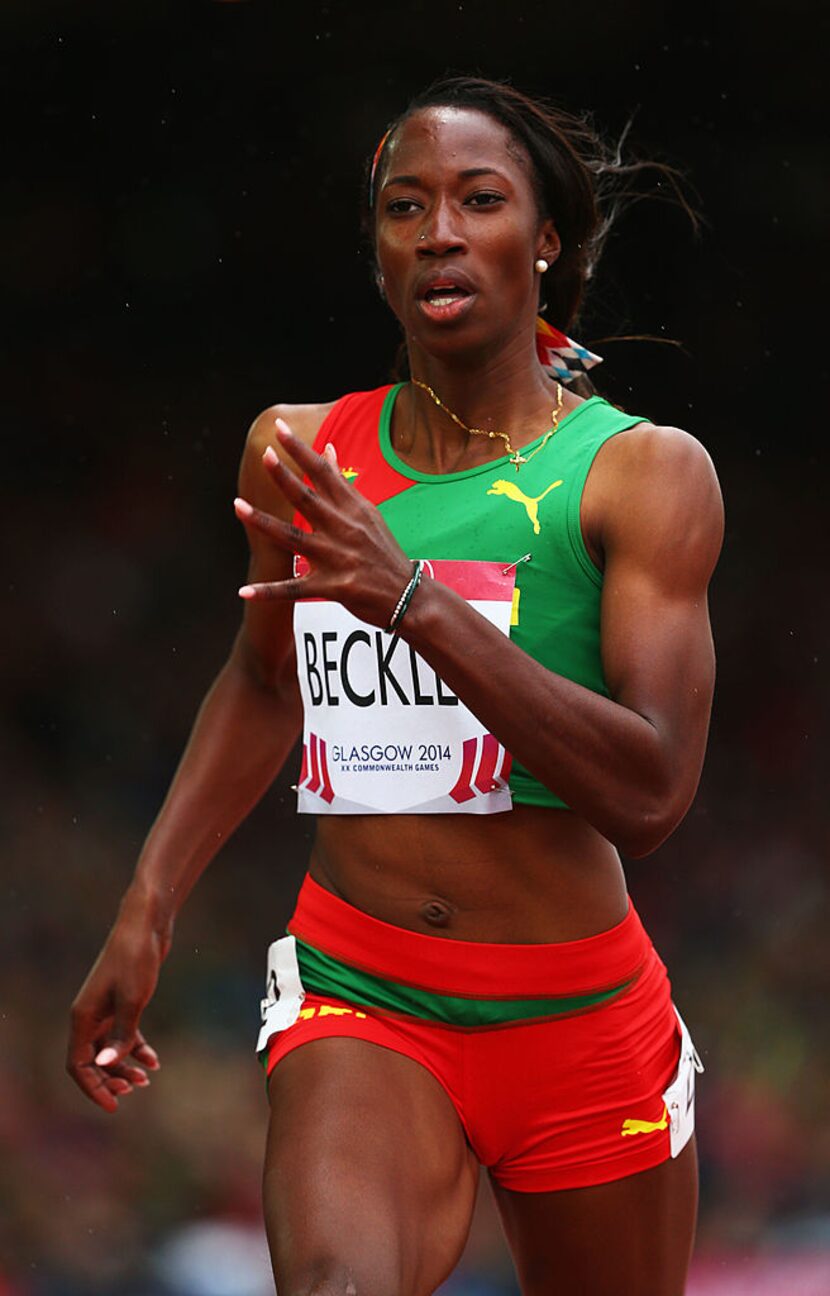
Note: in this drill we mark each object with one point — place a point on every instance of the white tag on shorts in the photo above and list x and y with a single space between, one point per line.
284 993
680 1095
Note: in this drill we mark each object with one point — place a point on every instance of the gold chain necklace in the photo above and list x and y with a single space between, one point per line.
516 456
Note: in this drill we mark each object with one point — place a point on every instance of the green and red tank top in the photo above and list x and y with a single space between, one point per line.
382 733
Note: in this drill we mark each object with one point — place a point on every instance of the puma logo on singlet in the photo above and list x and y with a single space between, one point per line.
645 1127
530 503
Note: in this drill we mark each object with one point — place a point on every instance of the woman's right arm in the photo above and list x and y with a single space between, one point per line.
244 730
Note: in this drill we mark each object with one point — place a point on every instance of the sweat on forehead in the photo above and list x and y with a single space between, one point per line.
450 126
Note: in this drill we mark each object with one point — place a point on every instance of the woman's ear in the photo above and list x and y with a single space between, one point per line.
550 244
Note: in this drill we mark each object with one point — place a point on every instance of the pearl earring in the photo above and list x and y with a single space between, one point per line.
541 265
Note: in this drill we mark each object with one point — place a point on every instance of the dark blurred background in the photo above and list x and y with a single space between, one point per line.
179 248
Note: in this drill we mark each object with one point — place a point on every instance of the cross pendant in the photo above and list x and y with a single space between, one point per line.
517 459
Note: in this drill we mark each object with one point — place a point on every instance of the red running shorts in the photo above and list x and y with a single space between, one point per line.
557 1058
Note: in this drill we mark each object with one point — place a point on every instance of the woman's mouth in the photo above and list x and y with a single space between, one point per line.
445 302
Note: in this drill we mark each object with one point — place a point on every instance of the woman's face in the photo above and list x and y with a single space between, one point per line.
458 231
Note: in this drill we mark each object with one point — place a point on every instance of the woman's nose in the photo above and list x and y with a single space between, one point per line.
440 233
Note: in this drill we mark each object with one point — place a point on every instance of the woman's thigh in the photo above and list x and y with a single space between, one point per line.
369 1182
632 1237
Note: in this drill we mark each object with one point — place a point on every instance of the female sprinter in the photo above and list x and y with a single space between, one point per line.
487 596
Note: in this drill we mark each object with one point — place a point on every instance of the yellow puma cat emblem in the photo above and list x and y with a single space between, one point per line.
645 1127
531 504
328 1010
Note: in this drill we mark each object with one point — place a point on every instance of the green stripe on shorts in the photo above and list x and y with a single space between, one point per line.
324 975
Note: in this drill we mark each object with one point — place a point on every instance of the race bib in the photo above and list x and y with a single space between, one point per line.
382 733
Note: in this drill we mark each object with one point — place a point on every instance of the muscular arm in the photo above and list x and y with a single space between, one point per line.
241 737
250 718
244 730
629 764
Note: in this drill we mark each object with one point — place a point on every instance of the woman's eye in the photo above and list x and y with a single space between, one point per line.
485 199
400 206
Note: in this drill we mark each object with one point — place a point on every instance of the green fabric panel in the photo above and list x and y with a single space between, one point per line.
468 515
324 975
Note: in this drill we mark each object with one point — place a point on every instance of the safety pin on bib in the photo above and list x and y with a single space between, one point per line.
505 571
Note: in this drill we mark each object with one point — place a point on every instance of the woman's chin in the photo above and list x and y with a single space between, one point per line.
461 343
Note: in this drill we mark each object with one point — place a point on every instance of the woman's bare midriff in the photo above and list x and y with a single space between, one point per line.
528 876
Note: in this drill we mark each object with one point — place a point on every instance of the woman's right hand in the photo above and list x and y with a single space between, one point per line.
107 1052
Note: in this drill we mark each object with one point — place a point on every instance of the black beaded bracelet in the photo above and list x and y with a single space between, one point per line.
406 598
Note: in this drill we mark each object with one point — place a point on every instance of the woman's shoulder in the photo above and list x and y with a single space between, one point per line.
655 451
305 421
658 481
255 483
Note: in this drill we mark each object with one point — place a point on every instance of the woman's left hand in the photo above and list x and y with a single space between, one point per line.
353 557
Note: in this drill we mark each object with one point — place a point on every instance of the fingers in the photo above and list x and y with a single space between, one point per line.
121 1077
310 502
106 1085
287 590
284 534
288 537
104 1074
144 1054
320 469
96 1083
123 1036
321 512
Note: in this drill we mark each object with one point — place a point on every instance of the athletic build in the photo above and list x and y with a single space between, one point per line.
382 1205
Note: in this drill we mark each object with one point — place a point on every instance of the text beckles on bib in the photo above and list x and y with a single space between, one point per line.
382 733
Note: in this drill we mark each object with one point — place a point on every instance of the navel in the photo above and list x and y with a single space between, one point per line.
436 912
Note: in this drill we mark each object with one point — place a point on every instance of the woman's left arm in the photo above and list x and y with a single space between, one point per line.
629 763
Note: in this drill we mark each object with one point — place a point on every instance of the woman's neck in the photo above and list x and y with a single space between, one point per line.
508 393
